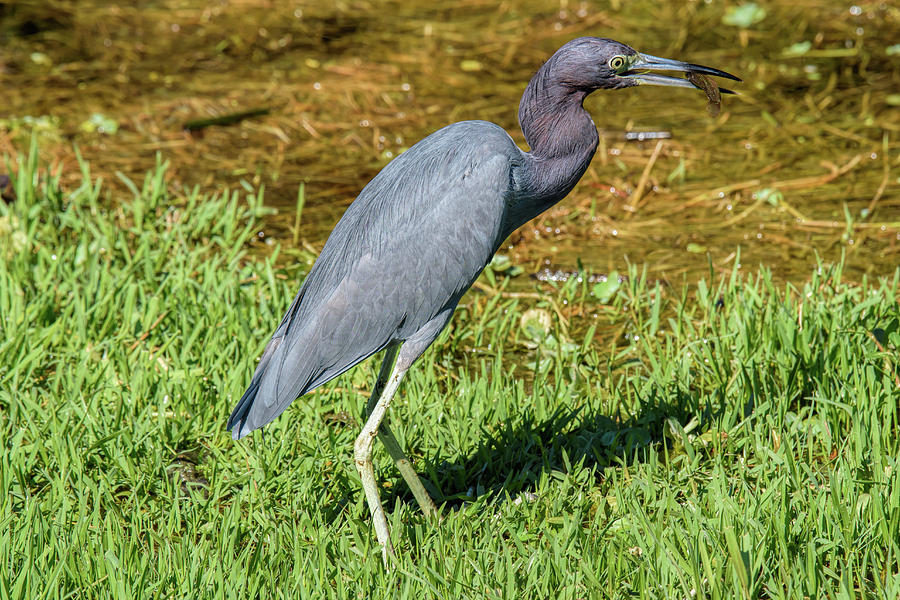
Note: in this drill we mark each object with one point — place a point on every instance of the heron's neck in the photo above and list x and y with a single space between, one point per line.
562 138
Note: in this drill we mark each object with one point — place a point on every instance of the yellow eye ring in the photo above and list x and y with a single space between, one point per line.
616 62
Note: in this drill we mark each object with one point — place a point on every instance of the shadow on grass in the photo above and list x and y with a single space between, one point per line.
513 459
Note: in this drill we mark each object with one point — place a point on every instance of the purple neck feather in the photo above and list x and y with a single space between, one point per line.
562 138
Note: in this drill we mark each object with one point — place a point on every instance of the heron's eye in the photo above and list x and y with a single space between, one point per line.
616 62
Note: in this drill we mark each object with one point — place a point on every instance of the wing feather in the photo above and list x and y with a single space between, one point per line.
405 250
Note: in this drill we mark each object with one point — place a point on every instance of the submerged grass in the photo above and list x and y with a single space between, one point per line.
735 439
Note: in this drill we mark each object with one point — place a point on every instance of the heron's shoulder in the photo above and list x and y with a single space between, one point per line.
440 162
474 133
451 153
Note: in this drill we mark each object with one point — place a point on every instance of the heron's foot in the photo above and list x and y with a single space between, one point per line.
387 553
435 517
429 509
363 458
379 520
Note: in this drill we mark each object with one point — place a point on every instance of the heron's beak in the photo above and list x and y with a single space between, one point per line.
646 62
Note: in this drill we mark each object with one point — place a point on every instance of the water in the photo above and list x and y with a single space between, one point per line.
803 162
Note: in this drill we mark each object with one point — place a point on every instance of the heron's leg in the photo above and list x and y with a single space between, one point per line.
404 465
362 449
406 469
384 373
414 346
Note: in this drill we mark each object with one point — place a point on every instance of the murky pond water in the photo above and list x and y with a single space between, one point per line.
804 161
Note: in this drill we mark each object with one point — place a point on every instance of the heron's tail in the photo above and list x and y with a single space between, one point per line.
237 422
243 418
241 422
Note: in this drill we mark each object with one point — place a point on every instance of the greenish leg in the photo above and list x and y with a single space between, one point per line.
404 465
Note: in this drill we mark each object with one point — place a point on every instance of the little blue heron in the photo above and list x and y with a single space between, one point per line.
420 233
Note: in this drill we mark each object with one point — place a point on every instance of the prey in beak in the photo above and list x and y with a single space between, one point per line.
641 64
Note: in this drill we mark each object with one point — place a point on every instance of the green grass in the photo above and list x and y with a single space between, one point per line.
734 438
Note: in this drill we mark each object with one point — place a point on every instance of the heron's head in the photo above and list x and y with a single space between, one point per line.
589 63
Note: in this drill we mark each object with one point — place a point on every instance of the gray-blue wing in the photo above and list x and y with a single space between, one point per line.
405 250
